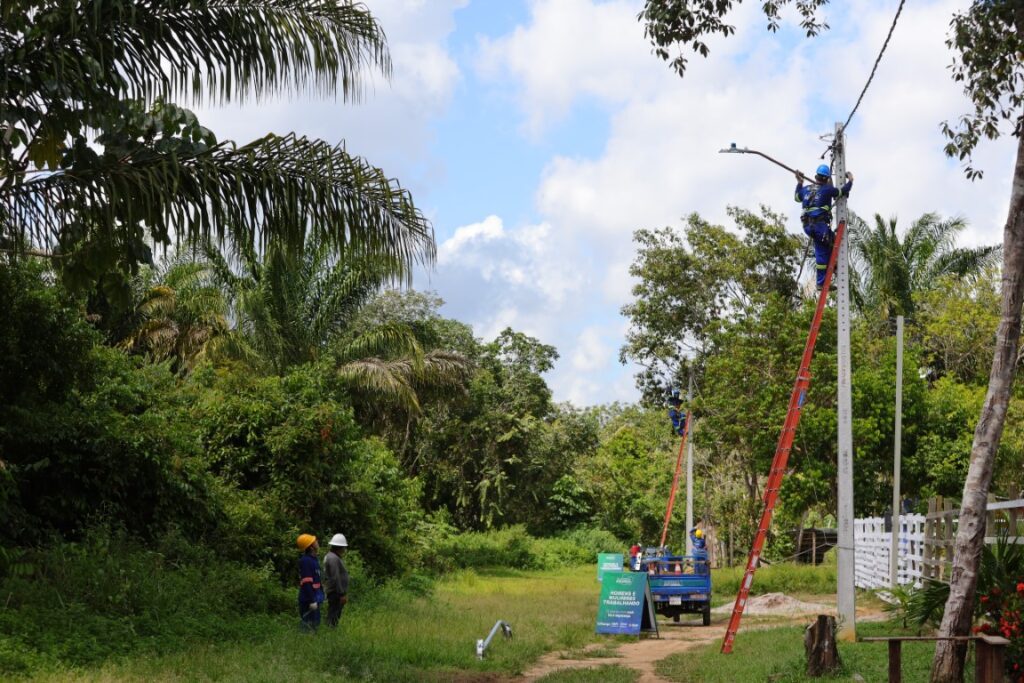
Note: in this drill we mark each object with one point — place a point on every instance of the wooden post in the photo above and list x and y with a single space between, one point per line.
814 547
820 647
947 540
895 675
989 658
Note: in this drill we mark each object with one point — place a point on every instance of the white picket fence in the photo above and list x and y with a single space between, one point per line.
873 542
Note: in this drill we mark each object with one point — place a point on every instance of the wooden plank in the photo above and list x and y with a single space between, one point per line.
886 639
989 658
1006 504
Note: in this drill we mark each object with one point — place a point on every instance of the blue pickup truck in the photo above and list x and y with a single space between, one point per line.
680 584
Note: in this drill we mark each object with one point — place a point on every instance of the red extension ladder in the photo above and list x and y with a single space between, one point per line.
778 471
675 479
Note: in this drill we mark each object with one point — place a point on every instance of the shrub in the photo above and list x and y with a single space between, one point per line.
108 595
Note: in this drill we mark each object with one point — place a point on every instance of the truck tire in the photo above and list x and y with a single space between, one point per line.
707 614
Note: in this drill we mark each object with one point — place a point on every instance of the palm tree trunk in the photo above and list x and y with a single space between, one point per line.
948 665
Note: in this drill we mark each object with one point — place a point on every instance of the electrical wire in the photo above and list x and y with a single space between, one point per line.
871 76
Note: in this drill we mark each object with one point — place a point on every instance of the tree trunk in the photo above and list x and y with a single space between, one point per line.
820 647
948 665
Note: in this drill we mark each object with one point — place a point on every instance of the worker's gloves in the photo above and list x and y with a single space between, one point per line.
799 177
849 176
314 605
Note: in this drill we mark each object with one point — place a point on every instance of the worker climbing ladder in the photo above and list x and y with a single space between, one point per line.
778 470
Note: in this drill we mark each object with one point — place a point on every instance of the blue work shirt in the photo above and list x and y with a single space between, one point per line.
310 587
817 200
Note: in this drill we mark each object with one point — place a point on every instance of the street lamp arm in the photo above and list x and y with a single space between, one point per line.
733 149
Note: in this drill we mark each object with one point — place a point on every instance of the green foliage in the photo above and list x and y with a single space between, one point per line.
291 443
383 636
514 547
988 38
690 281
1000 570
673 25
86 97
109 596
101 424
784 577
492 456
777 654
891 272
957 321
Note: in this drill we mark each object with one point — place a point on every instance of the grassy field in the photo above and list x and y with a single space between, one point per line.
777 655
428 632
400 637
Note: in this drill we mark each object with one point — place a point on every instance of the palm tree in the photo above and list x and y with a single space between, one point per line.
89 135
296 306
890 271
182 316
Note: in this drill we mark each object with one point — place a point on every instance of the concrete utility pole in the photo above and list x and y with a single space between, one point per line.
845 552
895 547
689 472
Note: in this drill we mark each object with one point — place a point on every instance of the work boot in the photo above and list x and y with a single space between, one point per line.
831 287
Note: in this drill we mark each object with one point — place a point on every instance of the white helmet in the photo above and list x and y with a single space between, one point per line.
338 541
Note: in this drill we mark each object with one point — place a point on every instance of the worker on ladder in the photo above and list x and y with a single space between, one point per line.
676 413
817 200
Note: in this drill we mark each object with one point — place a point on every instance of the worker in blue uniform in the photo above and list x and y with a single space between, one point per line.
676 413
700 550
311 592
816 217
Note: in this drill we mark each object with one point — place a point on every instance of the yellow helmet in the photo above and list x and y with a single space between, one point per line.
699 533
304 541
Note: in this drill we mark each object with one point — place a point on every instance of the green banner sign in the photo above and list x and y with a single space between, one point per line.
626 605
608 562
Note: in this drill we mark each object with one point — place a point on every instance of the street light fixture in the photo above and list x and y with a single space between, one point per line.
733 149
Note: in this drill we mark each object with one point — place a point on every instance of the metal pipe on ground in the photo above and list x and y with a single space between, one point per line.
483 643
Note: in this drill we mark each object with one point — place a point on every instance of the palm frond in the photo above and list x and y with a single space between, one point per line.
381 380
276 188
390 341
217 50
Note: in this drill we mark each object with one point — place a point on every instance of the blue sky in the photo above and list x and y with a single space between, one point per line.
539 134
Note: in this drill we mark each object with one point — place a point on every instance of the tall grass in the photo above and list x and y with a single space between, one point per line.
392 635
778 655
778 578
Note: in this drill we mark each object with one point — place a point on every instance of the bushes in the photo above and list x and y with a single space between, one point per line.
779 578
107 596
85 431
513 547
292 458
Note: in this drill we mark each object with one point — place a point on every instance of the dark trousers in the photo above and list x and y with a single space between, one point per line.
310 617
823 238
334 608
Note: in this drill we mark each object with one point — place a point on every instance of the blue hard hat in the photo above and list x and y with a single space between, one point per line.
824 170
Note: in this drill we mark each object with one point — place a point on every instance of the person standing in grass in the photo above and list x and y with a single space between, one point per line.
311 592
337 579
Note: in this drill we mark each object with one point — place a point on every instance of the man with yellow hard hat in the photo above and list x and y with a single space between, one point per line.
311 592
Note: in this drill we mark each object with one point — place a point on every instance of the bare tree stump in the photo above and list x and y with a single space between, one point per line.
820 646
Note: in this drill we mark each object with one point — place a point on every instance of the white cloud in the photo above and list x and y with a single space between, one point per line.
775 93
591 352
391 125
571 48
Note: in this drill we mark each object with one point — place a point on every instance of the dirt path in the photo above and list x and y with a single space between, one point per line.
642 655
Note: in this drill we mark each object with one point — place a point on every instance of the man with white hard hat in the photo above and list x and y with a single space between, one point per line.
336 583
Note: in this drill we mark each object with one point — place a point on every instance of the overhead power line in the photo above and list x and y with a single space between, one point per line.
871 76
